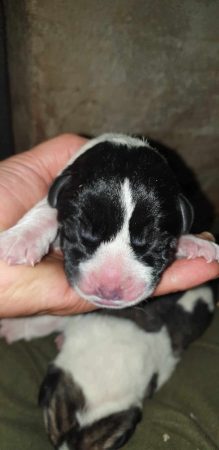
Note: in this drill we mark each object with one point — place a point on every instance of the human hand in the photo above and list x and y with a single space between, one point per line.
44 289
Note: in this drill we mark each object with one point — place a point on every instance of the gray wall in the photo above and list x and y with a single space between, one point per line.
135 66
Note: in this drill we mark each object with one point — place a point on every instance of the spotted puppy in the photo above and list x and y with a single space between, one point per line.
110 362
121 218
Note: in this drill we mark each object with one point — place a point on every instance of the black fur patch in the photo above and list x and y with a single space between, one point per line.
110 433
61 398
49 385
152 386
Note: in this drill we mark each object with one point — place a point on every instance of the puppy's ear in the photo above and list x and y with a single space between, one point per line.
59 183
187 213
111 432
60 398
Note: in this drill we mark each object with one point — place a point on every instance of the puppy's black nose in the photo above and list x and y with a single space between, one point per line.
109 294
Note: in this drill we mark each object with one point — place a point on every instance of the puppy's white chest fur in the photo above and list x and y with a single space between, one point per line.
113 353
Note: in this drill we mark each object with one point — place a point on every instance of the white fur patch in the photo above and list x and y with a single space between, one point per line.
113 361
127 200
64 447
190 299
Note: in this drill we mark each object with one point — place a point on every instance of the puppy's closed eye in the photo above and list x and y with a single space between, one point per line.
76 230
88 236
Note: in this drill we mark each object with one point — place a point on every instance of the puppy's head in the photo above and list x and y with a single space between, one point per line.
62 401
120 211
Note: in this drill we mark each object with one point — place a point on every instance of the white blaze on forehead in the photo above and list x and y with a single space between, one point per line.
127 201
123 235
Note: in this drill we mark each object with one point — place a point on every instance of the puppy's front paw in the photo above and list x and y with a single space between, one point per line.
12 329
191 247
22 246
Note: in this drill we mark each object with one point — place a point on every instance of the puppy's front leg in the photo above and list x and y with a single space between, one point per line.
29 240
191 247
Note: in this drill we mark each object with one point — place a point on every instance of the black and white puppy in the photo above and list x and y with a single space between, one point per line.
110 362
93 394
121 218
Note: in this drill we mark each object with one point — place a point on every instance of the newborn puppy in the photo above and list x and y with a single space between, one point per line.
121 218
110 361
120 213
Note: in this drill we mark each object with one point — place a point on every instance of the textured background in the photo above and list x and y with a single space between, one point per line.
145 66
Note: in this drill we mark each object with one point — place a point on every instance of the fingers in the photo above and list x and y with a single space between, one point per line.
51 156
184 274
25 178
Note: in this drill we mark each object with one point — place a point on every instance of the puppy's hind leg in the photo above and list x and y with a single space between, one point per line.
28 328
29 240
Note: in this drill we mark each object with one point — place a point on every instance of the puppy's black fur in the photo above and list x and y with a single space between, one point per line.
90 211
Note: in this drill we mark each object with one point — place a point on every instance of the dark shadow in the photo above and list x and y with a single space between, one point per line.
203 208
6 132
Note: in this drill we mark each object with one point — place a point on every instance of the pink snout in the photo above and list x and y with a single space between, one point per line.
110 285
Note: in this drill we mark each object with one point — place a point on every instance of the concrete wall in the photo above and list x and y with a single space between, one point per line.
136 66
